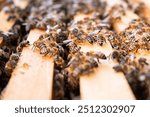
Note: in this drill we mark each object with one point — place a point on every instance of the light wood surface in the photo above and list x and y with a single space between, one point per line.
4 24
33 76
105 83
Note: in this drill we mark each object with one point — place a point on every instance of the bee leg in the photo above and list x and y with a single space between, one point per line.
98 60
33 48
109 57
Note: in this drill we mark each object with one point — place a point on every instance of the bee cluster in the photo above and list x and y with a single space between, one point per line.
91 30
136 36
136 70
43 13
14 13
82 64
11 42
64 35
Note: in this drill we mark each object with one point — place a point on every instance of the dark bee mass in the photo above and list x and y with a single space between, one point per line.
80 64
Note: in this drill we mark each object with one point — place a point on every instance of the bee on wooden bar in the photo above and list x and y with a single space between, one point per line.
14 56
98 55
23 44
93 63
41 45
101 40
115 55
90 39
11 64
9 67
46 36
43 48
118 68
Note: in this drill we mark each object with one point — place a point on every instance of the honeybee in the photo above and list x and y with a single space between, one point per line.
75 32
143 62
59 61
43 49
118 68
23 44
115 55
93 63
9 67
113 40
4 54
98 55
90 39
46 36
11 63
73 47
14 56
101 40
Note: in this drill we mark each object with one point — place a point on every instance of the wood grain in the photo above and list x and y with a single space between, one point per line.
33 76
105 83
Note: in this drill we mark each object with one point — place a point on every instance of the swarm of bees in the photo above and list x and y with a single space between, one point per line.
136 71
11 42
14 13
64 37
136 37
43 13
90 30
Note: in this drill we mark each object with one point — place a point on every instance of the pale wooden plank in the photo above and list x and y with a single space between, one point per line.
105 83
33 76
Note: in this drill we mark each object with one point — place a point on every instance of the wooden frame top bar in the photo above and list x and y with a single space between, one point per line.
105 83
32 78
